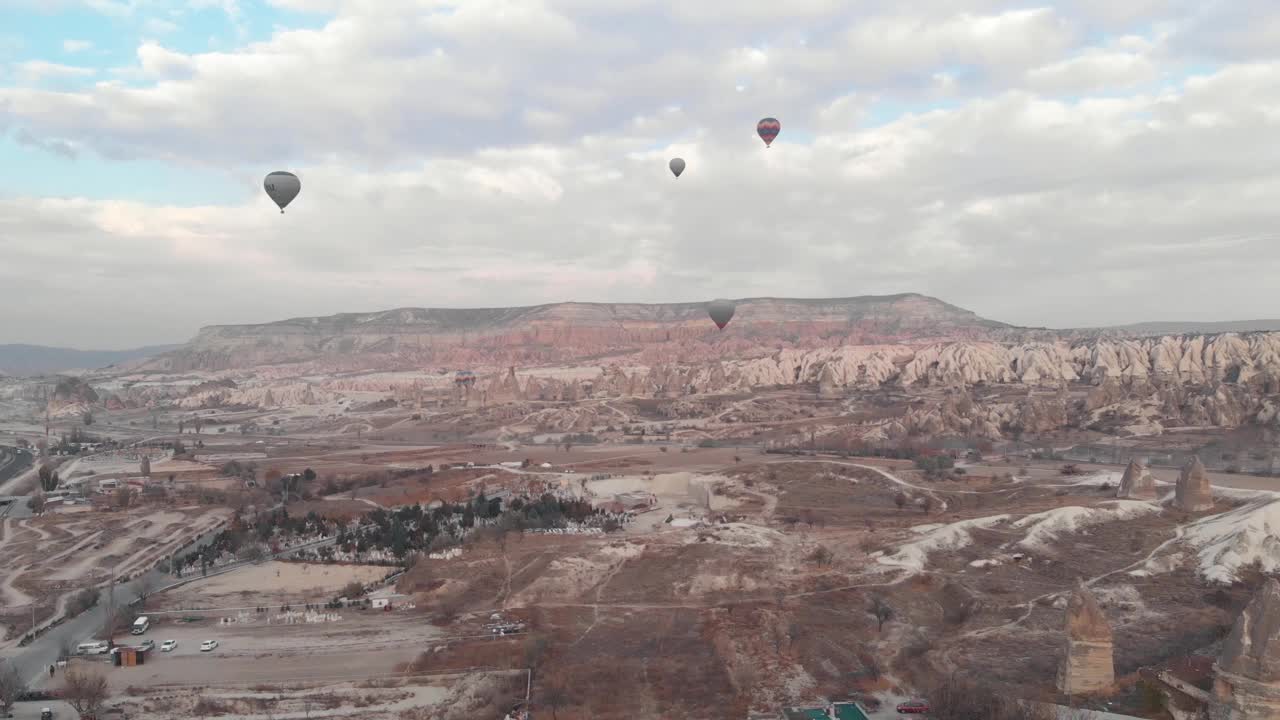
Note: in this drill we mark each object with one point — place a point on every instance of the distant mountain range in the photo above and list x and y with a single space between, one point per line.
1174 327
23 360
575 331
647 333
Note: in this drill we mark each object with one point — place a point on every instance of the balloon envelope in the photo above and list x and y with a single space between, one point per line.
677 166
721 312
768 129
282 187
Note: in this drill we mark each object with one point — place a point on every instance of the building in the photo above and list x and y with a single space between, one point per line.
386 598
834 711
128 656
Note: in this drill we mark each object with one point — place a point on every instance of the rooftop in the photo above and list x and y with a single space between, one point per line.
849 711
806 714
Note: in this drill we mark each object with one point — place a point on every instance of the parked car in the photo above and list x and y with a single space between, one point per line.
46 714
168 645
208 645
913 706
148 644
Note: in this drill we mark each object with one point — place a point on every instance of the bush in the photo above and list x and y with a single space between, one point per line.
81 601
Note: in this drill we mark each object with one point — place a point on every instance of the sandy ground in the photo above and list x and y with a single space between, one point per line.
271 583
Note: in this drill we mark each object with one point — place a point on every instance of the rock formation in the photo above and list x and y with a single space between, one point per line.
827 386
1247 674
1194 494
1137 483
1088 665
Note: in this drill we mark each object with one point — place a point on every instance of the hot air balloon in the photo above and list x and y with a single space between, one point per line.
282 187
768 130
677 166
721 312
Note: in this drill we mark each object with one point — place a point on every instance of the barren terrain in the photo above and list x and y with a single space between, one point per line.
645 520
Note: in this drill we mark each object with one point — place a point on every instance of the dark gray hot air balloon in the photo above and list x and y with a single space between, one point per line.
721 312
282 187
677 166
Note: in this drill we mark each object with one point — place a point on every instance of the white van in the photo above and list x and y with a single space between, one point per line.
108 484
140 625
96 647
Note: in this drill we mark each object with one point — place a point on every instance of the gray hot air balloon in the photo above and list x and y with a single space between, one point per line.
677 166
721 312
283 187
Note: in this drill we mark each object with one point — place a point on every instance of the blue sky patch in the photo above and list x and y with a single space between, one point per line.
44 173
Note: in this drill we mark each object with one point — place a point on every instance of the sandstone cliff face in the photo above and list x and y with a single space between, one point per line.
571 331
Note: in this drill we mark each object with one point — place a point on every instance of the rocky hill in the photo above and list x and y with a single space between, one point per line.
568 332
22 360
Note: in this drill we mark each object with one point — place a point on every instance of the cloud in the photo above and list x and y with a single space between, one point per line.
1044 165
37 71
160 26
75 46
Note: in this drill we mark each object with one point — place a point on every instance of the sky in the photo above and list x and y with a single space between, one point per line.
1060 164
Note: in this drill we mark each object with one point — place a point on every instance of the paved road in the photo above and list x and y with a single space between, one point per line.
15 463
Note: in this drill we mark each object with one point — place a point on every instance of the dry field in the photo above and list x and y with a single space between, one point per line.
269 584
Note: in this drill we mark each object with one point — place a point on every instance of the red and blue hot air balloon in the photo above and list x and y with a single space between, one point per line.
768 130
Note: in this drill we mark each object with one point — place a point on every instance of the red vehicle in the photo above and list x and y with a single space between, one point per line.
913 706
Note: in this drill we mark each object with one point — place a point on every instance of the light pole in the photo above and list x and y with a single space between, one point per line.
111 607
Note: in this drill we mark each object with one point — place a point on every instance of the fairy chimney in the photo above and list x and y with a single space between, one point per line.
1247 674
1194 494
1088 666
827 386
1137 483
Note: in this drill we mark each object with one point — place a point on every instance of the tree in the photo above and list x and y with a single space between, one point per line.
11 687
251 553
85 690
535 652
36 503
87 418
124 497
956 699
900 500
927 504
309 475
145 467
822 556
555 696
48 479
144 586
882 612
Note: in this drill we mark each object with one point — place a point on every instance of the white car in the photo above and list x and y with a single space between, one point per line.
168 645
208 645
